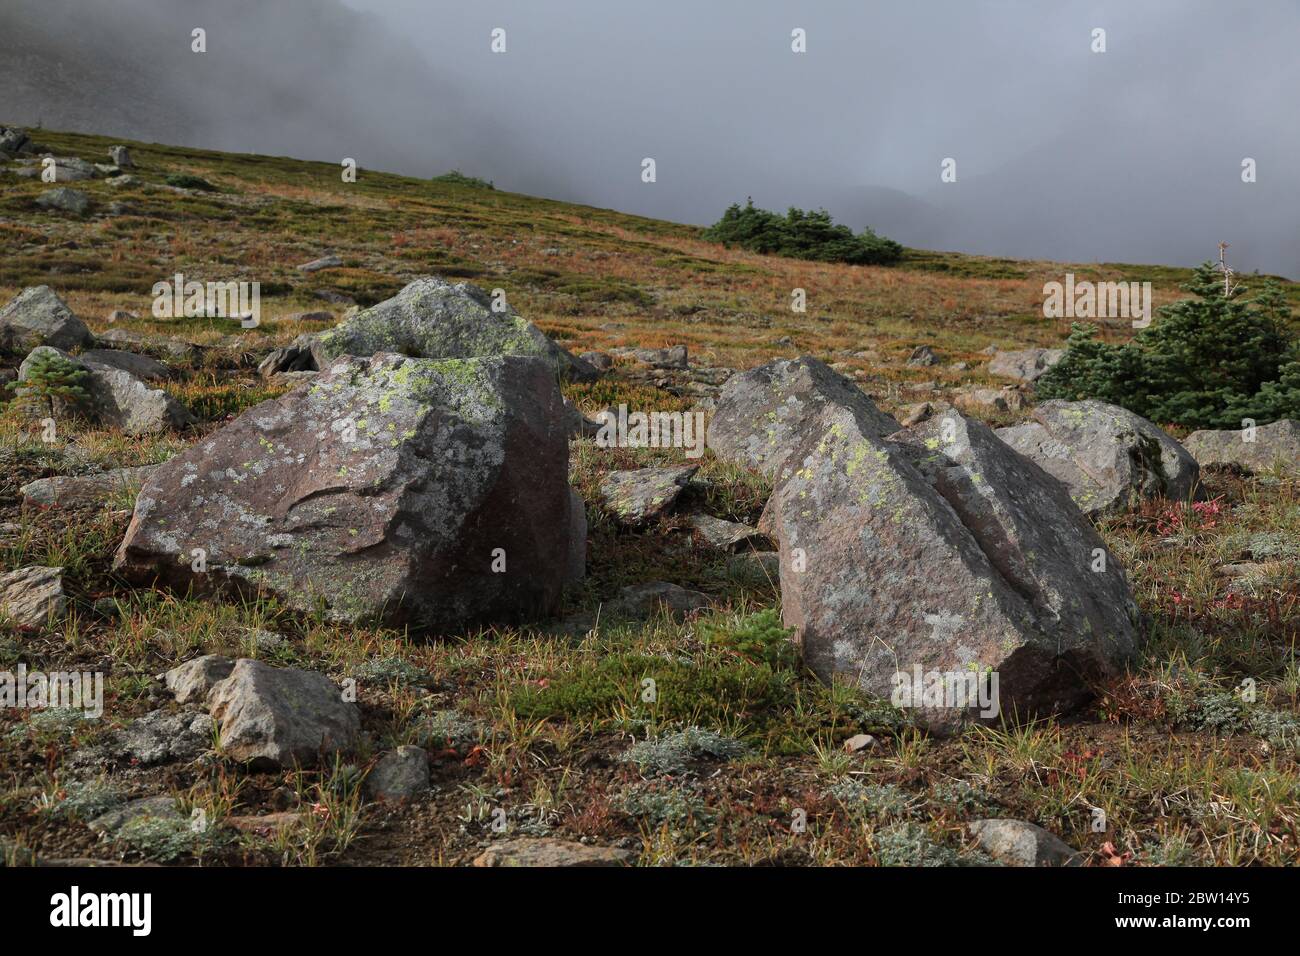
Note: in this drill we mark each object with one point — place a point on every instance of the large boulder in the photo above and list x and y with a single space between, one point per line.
763 415
430 318
281 716
1025 365
941 551
115 397
388 489
1251 450
37 316
1109 458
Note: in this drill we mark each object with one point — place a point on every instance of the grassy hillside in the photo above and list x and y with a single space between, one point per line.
538 724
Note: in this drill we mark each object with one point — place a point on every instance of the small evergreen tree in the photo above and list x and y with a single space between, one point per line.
54 382
809 235
1207 362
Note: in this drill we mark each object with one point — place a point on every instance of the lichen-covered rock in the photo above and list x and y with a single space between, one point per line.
37 316
393 490
730 535
940 548
120 156
31 596
1025 365
432 319
116 397
1108 457
764 414
158 737
1251 450
281 716
642 495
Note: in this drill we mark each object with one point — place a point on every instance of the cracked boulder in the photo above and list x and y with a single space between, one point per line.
763 415
1109 458
388 490
941 551
434 319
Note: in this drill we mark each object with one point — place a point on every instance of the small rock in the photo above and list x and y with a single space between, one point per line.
643 495
399 775
81 491
162 807
923 355
120 156
549 852
193 680
859 742
601 361
325 262
1017 843
675 357
31 596
121 315
730 535
1027 365
279 717
65 200
160 736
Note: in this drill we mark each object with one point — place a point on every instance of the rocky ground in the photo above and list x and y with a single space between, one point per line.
367 586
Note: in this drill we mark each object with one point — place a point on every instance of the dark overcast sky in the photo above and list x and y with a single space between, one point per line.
1130 155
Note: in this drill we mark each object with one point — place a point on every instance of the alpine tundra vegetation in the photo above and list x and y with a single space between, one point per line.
521 532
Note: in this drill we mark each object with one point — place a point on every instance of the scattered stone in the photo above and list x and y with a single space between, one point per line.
141 366
161 807
1025 365
192 681
13 140
730 535
31 596
968 556
320 315
600 361
1002 399
65 200
1109 458
121 182
324 262
120 156
764 414
82 491
399 775
675 357
643 495
390 490
1260 449
121 315
1018 843
923 356
117 398
281 716
859 742
430 319
915 414
36 317
158 737
177 348
549 852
